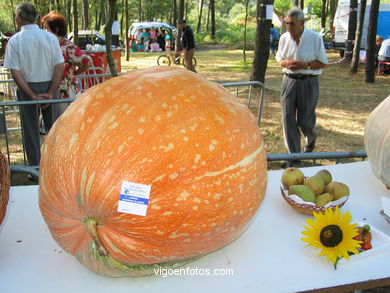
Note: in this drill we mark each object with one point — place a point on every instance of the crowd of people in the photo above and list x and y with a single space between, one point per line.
151 40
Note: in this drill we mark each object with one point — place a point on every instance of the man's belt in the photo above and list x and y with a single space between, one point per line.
299 76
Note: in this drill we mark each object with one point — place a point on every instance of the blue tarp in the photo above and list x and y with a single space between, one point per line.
384 24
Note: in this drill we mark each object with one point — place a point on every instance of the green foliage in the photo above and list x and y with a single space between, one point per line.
6 16
316 7
282 6
230 25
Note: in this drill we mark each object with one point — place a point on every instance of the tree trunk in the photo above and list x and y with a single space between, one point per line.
351 29
121 22
174 13
85 14
371 45
245 24
127 46
212 15
358 37
139 10
296 3
13 18
200 16
323 14
69 15
208 18
301 4
179 32
75 24
262 40
186 10
112 8
332 11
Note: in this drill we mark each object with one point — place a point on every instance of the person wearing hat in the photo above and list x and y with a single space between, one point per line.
188 44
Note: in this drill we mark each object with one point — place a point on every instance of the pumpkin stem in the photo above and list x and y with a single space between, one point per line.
92 224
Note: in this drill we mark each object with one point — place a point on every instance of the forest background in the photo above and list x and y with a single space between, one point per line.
226 25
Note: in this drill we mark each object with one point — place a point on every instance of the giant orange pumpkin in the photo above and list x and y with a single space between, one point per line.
198 148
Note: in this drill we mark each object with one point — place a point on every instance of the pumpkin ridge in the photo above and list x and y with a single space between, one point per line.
247 160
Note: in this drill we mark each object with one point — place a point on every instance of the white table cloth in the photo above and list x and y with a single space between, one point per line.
269 257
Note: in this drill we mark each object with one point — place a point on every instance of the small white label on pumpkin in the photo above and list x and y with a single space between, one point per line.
134 198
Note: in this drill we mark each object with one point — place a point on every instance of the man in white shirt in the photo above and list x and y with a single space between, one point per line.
384 55
35 59
384 51
302 56
115 30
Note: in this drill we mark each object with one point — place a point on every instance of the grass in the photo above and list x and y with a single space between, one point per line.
344 104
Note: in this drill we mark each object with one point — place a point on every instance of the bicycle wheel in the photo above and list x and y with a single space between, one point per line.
164 60
184 63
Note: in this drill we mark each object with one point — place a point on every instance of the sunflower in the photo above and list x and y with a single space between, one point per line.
333 233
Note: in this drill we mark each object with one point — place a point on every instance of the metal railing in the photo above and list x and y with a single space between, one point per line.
336 156
251 85
5 105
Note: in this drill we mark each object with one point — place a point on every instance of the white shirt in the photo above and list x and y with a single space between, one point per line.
115 29
311 48
385 48
34 52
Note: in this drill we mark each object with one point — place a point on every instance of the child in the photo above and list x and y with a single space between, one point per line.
154 47
141 46
133 45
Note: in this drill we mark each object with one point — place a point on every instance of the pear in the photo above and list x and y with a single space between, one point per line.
337 189
325 174
304 192
316 183
323 199
292 176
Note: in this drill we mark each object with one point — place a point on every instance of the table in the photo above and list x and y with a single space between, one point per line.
269 257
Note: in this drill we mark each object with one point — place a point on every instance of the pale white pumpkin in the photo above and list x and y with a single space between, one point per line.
377 141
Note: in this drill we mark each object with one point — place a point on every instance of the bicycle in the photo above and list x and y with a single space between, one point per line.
175 57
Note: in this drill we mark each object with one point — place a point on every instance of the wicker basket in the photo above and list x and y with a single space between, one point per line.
307 208
5 178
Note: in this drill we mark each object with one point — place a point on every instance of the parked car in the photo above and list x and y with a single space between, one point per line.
88 37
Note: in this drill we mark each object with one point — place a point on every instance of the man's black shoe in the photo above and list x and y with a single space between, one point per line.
309 148
289 164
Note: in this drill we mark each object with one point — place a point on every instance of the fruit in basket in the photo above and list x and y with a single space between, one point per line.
326 176
292 176
323 199
377 141
314 189
337 189
196 151
316 183
304 192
